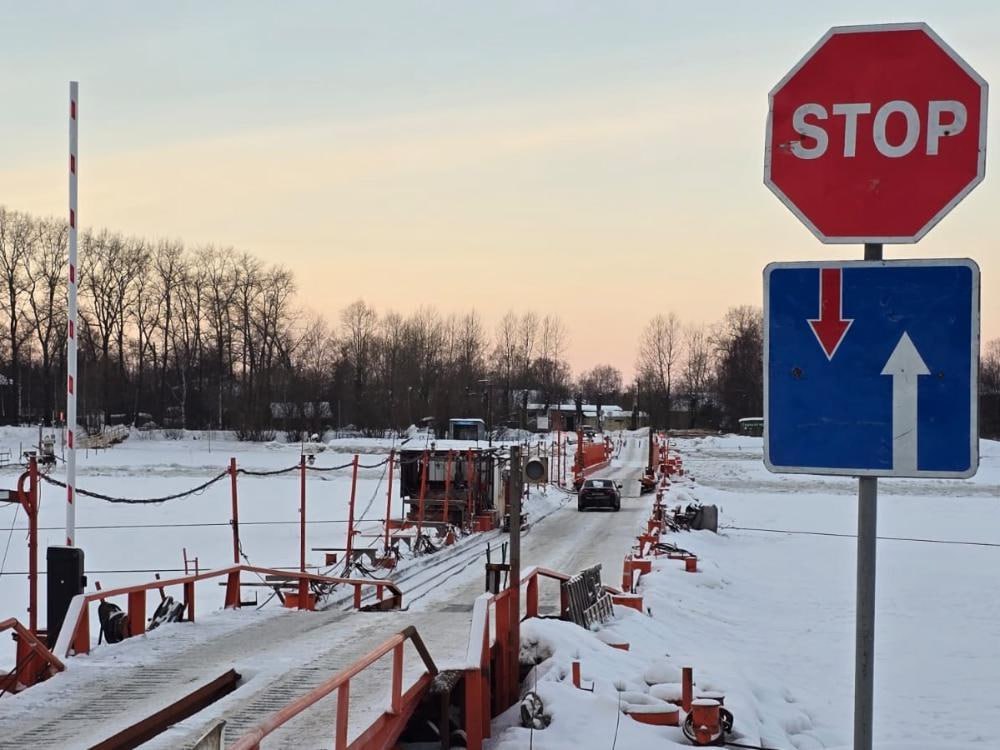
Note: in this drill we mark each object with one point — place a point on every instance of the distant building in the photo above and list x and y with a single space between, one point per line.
564 417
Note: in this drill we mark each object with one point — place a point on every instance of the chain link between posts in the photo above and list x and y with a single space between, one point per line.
204 485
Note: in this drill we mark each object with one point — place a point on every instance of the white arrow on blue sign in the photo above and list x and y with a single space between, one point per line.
871 368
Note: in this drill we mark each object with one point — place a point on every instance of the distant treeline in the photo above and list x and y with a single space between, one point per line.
212 337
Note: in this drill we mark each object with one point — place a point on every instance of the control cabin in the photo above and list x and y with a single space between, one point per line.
466 429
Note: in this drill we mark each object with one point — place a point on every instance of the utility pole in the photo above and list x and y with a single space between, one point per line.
514 509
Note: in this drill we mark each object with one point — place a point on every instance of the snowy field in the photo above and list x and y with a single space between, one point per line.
146 539
769 620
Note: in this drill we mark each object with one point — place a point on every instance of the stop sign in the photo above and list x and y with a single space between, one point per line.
876 134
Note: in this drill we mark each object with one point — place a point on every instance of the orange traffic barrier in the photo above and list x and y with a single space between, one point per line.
687 688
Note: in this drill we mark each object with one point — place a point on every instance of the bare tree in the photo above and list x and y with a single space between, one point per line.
45 269
16 245
359 324
659 353
550 372
739 345
696 370
989 390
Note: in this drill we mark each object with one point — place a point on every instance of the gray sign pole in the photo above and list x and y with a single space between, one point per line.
514 489
864 635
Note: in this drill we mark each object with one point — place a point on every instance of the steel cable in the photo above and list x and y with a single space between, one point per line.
140 501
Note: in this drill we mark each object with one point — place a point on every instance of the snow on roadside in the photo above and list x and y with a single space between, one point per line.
769 618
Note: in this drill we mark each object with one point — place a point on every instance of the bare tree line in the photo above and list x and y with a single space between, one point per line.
211 337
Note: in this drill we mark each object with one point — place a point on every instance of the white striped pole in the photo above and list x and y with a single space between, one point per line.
71 384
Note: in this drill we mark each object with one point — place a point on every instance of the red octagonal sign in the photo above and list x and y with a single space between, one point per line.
876 134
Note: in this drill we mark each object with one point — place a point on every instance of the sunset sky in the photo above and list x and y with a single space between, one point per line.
600 161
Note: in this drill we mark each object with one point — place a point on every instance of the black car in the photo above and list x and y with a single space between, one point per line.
599 493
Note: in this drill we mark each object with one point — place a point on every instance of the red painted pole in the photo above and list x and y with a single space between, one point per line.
236 512
558 456
388 501
32 509
447 488
302 513
423 493
350 515
469 476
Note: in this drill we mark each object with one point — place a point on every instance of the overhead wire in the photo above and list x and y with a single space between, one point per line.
959 542
10 535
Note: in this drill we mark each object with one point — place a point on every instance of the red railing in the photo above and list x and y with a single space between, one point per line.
33 661
385 730
491 684
75 634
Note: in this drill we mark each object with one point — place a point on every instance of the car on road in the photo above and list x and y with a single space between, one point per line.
599 493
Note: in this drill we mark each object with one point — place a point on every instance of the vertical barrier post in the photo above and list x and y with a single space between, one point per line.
396 699
236 512
447 490
343 709
469 476
71 319
31 506
350 518
137 612
864 625
531 598
302 513
388 501
687 688
558 451
474 709
423 493
514 504
303 583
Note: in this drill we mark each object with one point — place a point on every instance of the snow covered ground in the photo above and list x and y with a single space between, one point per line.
769 620
145 539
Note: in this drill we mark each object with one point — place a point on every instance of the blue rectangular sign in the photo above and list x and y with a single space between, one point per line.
871 368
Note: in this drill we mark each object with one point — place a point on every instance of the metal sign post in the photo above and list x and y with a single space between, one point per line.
864 618
514 509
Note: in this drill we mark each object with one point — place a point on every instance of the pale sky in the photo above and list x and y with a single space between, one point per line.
601 161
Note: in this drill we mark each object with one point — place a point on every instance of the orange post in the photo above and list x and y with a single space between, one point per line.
236 512
29 500
350 517
343 707
388 501
447 488
396 697
531 598
576 673
687 688
303 584
137 612
557 451
469 476
423 494
189 599
474 718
